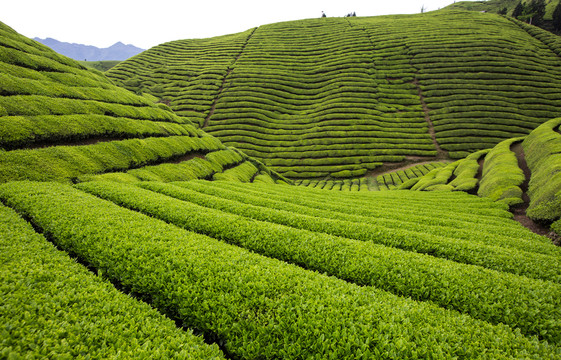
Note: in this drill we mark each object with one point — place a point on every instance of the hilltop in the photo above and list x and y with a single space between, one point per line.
340 97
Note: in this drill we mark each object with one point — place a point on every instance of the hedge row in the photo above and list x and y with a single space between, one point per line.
63 163
501 175
187 72
22 131
299 82
55 308
421 207
245 172
360 184
32 105
395 179
306 204
15 85
352 261
411 235
478 63
255 306
542 148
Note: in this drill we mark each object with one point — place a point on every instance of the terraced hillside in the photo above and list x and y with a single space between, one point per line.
115 267
60 121
339 97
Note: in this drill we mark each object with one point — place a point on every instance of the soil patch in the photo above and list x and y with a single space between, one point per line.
519 211
479 174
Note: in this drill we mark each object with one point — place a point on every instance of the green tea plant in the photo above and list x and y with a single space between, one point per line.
54 307
256 306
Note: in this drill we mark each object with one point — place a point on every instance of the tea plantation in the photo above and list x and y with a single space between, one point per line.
60 121
134 229
341 96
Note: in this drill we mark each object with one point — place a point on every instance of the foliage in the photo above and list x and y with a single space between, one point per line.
212 216
53 307
60 121
543 148
501 175
325 98
100 65
404 179
254 305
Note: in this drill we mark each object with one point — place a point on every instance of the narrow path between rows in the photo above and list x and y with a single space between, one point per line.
30 145
441 154
519 211
221 88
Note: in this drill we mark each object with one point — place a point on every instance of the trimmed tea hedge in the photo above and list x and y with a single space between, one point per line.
53 307
256 307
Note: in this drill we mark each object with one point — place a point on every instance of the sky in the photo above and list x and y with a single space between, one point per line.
148 23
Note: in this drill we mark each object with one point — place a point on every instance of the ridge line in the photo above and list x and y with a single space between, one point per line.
230 68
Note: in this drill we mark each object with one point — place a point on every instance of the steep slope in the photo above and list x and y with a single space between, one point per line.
60 121
341 96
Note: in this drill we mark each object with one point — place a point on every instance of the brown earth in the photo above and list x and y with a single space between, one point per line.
519 211
441 154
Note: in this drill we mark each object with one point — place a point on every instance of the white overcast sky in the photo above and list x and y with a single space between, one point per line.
148 23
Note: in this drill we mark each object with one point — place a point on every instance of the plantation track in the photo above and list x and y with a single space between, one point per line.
79 142
221 88
441 154
519 211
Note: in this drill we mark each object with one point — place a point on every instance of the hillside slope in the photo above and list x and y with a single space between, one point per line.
340 96
61 121
231 270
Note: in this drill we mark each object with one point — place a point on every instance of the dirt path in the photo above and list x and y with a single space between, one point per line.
519 211
186 157
221 88
441 154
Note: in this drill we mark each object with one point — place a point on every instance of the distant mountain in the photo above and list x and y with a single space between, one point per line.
117 51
